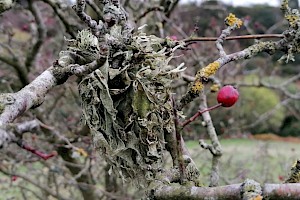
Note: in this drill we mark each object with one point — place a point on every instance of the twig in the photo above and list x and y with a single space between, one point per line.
202 75
33 192
200 112
41 34
83 171
179 144
147 11
229 192
62 18
95 8
40 154
21 71
215 148
241 37
10 51
33 182
79 8
263 117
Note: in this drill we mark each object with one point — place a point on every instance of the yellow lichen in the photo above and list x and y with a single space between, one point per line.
210 69
295 164
258 197
284 5
215 87
197 87
292 19
231 20
82 152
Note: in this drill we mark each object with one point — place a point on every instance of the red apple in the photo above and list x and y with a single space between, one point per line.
227 96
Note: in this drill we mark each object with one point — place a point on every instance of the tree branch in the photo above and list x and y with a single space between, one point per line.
228 192
41 34
240 37
13 105
34 182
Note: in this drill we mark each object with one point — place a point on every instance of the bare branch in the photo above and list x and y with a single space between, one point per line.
149 10
41 34
79 8
228 192
21 71
61 16
13 105
34 182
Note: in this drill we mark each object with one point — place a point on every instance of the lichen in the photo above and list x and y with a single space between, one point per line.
2 107
232 20
292 19
251 190
284 5
209 70
268 47
197 87
215 87
126 104
82 50
294 176
86 41
5 5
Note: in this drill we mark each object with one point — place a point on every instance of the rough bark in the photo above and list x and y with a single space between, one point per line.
228 192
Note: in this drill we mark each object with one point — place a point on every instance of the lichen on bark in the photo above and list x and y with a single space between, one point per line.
126 101
128 110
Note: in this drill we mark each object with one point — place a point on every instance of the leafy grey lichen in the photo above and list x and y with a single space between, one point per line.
128 108
250 189
126 101
84 49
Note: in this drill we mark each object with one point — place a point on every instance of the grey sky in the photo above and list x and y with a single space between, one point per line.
243 2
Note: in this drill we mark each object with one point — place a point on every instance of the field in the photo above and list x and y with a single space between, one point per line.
264 161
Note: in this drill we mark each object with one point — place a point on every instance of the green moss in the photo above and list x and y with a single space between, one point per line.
2 108
141 103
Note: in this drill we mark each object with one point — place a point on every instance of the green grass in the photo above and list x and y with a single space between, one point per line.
264 161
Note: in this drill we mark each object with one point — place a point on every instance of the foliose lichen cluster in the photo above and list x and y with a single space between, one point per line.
126 101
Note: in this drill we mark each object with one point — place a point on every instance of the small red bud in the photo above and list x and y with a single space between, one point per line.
14 178
227 96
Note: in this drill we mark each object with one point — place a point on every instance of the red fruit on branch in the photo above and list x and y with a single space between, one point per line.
227 96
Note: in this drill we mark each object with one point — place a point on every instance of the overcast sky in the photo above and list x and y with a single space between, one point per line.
243 2
249 2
